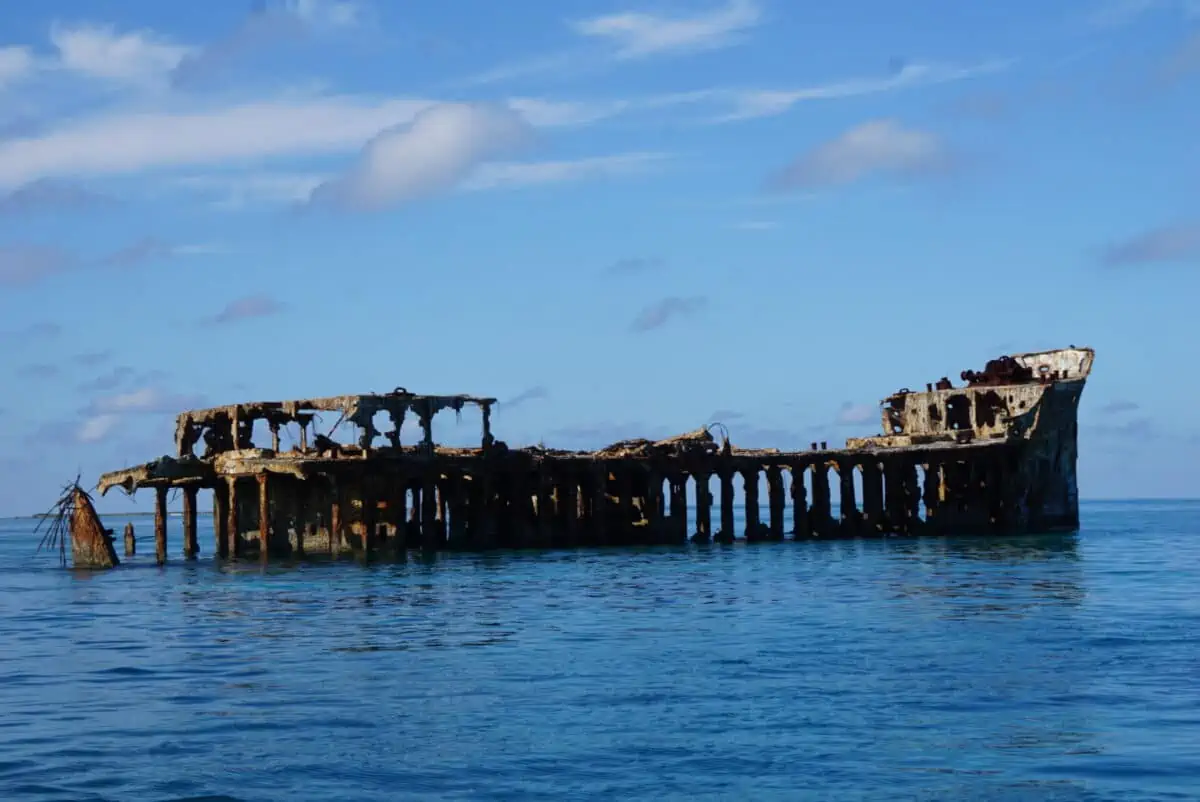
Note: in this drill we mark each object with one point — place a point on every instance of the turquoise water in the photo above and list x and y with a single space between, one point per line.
1064 667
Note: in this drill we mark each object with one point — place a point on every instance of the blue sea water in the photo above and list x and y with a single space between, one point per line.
1049 667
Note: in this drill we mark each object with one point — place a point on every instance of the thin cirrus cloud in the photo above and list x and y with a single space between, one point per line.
51 195
666 310
248 308
1179 243
639 34
517 174
874 148
16 63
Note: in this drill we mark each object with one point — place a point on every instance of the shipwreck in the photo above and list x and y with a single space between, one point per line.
995 454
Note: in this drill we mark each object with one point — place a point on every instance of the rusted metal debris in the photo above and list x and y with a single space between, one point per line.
74 518
996 455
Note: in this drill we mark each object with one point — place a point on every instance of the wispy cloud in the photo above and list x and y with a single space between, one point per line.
31 333
253 306
46 194
633 265
662 312
639 34
536 393
22 265
752 103
39 370
856 414
879 147
437 151
103 415
1176 243
237 190
1119 407
518 174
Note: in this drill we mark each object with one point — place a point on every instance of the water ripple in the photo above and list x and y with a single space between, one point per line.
1008 668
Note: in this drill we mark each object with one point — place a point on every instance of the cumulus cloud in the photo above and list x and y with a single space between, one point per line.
99 51
15 63
662 312
436 152
879 147
21 265
46 194
1176 243
637 34
103 415
245 309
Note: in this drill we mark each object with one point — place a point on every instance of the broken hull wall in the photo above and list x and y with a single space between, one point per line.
1043 489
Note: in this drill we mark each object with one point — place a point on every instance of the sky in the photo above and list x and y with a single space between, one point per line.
618 217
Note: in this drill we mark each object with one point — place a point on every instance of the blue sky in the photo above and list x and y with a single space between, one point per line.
621 217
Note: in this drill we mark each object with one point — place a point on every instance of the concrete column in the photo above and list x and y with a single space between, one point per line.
801 527
679 518
775 501
750 491
847 502
598 512
220 495
703 508
130 540
233 519
872 497
569 493
821 514
370 516
191 545
726 534
160 524
431 537
264 518
335 517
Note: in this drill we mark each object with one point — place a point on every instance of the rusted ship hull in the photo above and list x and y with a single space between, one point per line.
997 455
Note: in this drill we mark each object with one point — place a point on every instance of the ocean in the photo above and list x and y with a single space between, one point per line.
1024 668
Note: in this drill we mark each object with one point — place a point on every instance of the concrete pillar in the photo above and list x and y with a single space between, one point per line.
801 526
847 503
431 536
335 517
160 524
726 534
894 501
932 492
191 545
370 515
775 501
703 508
569 494
750 491
821 514
545 506
220 494
233 520
598 508
264 518
872 497
456 490
130 540
679 517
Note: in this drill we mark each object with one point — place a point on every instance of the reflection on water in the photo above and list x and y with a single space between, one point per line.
1007 668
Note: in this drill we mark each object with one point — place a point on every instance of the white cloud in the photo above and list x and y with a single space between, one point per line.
98 51
132 142
239 190
768 102
855 414
641 34
878 146
326 12
516 174
15 64
437 151
97 427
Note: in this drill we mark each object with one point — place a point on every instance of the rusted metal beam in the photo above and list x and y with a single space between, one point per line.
191 545
160 524
264 517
